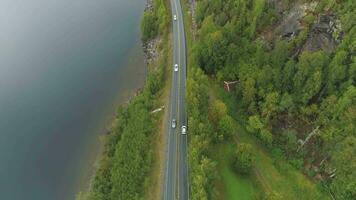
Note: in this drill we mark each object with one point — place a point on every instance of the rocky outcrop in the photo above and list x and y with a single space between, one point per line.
292 24
321 34
150 50
149 5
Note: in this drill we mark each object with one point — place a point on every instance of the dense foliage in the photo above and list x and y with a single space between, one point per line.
149 27
204 132
155 20
202 168
298 101
244 158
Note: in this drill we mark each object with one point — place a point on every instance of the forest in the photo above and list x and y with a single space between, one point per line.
293 65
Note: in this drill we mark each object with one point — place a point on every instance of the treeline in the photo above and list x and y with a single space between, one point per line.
128 155
299 103
205 130
202 170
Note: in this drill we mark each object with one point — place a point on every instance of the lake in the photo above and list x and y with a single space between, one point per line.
64 68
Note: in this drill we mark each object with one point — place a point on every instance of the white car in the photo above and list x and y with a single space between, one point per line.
175 17
174 123
184 130
176 67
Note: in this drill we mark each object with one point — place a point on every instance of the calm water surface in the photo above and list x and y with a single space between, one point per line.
64 66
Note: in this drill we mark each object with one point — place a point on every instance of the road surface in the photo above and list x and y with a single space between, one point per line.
176 169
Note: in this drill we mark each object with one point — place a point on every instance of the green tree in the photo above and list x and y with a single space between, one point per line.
248 91
244 158
272 195
254 124
270 107
337 71
344 162
217 110
288 75
149 26
278 58
286 103
212 52
226 127
266 137
308 76
161 14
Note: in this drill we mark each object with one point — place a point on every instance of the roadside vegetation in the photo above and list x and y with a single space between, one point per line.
128 159
287 128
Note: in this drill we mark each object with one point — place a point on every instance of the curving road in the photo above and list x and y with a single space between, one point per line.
176 169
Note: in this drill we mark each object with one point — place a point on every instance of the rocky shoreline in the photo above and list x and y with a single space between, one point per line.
150 50
150 46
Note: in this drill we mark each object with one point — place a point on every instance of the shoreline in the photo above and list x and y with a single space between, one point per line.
97 144
148 50
119 145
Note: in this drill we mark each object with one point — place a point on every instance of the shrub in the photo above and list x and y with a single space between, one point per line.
244 158
149 26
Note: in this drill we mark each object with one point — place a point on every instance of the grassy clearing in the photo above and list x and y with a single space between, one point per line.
231 186
236 187
271 174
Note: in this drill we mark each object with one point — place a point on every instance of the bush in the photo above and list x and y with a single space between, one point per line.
149 26
244 158
297 163
257 127
266 137
226 127
272 195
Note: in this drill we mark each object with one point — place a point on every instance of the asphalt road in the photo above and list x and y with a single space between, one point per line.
176 170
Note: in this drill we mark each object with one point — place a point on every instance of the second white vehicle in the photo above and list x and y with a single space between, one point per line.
175 17
174 122
176 67
184 130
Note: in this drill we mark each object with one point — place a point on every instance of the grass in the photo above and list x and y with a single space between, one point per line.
271 174
236 187
285 180
231 186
